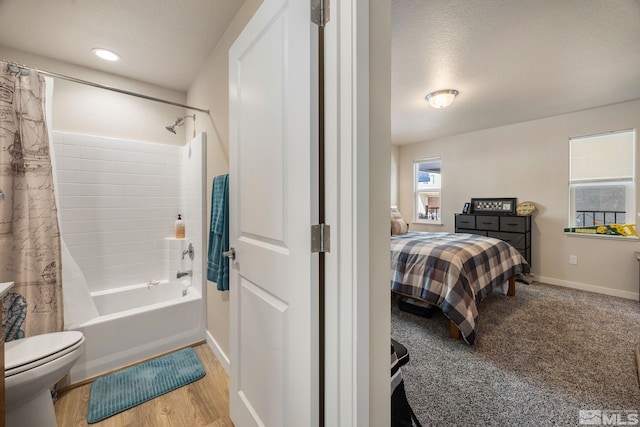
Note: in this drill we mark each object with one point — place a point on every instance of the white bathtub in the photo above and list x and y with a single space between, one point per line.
137 322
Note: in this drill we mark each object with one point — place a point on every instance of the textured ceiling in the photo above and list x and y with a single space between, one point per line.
163 42
512 61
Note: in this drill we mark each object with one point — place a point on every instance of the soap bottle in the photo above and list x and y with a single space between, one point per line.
179 228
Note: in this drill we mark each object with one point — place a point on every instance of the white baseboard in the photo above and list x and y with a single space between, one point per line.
589 288
222 357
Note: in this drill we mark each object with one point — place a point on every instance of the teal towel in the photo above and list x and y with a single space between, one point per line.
218 265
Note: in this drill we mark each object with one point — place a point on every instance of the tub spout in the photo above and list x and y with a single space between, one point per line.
183 273
186 284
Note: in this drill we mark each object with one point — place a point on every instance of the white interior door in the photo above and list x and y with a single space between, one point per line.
273 193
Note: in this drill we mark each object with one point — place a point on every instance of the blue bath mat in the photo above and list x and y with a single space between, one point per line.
125 389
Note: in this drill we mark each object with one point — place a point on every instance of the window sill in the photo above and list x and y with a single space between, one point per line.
426 222
602 236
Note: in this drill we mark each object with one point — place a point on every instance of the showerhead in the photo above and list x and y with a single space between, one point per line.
176 123
179 121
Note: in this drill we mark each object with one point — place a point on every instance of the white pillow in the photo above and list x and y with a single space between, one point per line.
398 225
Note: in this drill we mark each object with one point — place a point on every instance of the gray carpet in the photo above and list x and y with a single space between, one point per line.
538 359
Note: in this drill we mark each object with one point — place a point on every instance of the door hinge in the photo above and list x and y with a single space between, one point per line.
320 12
321 238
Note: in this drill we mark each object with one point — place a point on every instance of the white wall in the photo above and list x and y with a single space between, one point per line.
379 195
395 158
118 203
84 109
530 161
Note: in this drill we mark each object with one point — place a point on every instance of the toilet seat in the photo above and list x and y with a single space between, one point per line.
31 352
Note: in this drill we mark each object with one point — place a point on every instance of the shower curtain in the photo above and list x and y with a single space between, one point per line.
29 231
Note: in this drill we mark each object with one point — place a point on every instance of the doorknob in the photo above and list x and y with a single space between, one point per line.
231 254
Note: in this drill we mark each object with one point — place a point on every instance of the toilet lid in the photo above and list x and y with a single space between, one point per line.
39 349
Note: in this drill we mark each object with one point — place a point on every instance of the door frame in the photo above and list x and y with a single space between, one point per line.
357 141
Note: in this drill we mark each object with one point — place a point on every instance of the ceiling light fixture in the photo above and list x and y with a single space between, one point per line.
441 98
106 54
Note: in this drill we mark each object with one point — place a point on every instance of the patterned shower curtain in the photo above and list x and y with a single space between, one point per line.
29 232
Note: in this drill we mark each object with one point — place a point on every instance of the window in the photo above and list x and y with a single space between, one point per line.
427 190
602 179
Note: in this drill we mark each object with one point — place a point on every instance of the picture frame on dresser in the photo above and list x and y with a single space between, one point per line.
494 206
466 207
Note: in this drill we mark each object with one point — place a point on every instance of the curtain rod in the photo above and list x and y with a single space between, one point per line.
111 88
115 89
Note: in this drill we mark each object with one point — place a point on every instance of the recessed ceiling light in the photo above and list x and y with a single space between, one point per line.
106 54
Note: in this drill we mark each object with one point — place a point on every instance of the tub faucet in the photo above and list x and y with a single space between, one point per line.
183 273
186 284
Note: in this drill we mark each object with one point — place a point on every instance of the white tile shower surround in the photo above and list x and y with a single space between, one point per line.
118 202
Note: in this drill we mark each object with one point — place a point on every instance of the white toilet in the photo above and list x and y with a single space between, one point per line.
32 366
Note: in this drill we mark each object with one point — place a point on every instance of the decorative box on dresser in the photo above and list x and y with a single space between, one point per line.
513 229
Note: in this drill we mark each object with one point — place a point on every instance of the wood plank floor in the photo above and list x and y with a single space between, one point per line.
204 402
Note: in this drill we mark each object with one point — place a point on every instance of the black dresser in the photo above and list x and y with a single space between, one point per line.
513 229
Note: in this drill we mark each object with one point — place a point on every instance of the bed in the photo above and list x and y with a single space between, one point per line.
453 271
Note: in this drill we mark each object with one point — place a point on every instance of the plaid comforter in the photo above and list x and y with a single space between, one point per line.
453 271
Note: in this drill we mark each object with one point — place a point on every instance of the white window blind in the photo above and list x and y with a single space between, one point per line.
606 157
